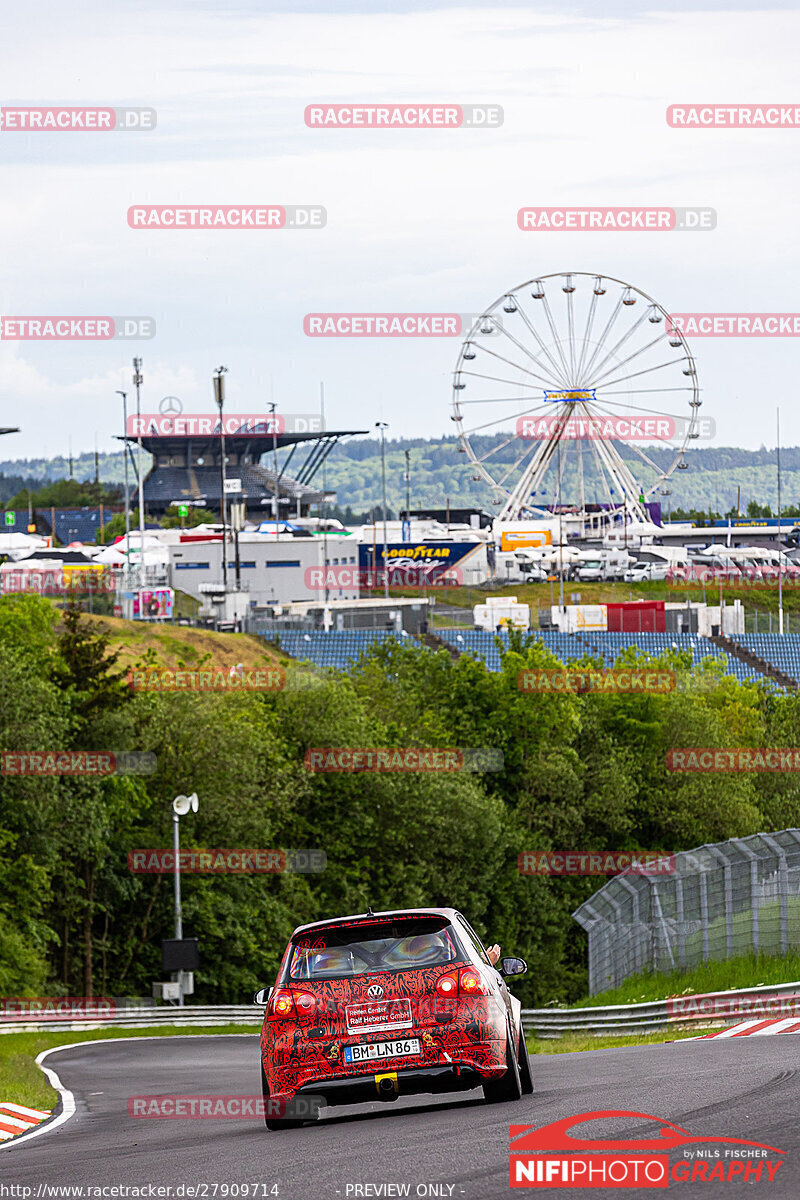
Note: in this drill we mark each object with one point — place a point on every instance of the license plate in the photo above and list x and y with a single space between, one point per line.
403 1048
373 1015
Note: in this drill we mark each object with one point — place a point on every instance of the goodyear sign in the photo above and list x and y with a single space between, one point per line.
415 558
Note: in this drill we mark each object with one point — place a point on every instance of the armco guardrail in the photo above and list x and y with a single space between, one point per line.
141 1018
712 1008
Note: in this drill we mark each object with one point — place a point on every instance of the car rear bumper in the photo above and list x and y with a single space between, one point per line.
388 1085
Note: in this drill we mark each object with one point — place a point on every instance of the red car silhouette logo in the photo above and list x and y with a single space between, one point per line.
556 1136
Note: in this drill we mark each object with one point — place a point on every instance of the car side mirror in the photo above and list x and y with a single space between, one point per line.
262 995
512 966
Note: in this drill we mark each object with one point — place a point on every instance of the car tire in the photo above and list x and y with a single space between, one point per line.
508 1086
273 1125
525 1077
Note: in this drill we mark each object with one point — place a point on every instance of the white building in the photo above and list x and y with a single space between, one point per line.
272 570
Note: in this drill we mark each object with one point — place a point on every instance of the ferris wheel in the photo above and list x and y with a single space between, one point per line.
573 390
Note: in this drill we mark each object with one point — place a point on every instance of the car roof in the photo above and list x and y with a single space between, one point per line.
370 917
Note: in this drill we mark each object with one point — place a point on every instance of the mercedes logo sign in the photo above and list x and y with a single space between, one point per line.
170 404
375 991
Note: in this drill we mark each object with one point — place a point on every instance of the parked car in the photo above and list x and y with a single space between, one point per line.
647 572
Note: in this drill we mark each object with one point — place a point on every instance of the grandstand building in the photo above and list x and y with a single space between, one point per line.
186 470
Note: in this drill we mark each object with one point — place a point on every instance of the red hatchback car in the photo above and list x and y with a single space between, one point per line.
387 1004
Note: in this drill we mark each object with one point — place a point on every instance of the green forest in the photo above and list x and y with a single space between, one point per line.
581 772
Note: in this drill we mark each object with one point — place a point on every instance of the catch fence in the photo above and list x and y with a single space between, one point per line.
721 901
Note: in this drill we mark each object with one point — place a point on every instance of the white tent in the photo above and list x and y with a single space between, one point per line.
18 545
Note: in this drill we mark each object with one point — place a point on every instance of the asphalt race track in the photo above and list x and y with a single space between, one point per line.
748 1089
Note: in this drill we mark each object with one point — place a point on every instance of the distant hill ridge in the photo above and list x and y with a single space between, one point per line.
439 473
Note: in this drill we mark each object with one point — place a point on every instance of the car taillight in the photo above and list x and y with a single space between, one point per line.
447 985
282 1004
465 982
305 1002
287 1003
470 983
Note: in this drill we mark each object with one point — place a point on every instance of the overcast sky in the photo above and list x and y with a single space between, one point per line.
418 221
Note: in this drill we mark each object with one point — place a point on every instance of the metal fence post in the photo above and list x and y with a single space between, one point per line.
704 910
783 888
728 895
656 904
745 849
679 921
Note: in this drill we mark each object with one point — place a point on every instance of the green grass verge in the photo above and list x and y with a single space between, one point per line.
749 970
22 1082
572 1043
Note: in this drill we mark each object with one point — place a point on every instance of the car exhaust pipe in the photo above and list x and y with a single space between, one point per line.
387 1087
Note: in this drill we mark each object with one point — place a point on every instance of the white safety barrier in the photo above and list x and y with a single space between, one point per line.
713 1008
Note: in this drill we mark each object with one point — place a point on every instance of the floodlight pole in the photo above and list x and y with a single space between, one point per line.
127 494
138 380
276 491
408 491
382 425
219 395
780 564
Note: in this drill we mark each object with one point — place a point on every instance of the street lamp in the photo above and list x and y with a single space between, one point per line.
127 493
181 805
382 425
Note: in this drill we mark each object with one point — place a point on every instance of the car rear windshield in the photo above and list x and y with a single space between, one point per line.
397 945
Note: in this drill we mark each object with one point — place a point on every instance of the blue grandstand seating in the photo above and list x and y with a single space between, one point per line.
337 648
569 647
781 650
341 648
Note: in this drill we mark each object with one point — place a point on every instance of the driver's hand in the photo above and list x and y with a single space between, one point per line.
493 954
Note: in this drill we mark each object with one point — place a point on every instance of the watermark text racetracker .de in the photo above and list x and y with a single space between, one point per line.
223 1108
343 577
398 324
57 1008
617 219
745 759
734 324
45 582
595 862
227 216
733 116
620 679
77 762
76 329
596 427
254 425
403 116
734 575
162 679
227 862
356 759
75 120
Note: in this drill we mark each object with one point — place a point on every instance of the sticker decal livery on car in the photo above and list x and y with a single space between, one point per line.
448 1020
